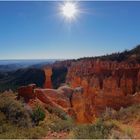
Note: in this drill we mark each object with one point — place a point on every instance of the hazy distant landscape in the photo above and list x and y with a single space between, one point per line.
8 65
15 73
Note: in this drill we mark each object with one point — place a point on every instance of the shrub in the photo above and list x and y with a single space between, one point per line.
120 130
14 110
129 132
38 114
11 131
109 113
123 114
57 111
131 111
61 121
99 130
14 118
62 125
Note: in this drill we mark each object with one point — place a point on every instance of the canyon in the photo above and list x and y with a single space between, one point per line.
90 86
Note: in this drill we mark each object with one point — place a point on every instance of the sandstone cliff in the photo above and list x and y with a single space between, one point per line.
94 85
106 84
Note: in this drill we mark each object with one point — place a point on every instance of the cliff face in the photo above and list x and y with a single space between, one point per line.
93 86
104 76
106 84
111 81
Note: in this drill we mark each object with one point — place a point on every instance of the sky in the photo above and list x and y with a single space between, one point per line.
38 30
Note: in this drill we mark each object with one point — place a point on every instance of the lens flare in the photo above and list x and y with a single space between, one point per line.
69 10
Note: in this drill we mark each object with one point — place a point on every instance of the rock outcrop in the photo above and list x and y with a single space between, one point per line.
27 92
106 84
60 97
94 85
48 74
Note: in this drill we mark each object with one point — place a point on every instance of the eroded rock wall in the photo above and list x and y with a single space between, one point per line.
110 77
106 84
94 85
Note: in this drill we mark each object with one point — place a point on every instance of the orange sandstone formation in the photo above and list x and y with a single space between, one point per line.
106 84
60 97
94 86
48 74
27 92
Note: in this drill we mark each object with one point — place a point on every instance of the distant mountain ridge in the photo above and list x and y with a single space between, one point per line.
11 65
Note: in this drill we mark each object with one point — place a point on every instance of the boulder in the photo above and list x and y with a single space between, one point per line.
27 92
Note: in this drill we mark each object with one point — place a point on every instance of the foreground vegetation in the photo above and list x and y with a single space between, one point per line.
19 120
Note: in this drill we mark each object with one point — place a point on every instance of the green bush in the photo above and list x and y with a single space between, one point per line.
57 111
11 131
129 112
15 120
62 125
38 114
122 114
109 113
99 130
62 121
14 110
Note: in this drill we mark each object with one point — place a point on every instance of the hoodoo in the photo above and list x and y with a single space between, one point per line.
48 74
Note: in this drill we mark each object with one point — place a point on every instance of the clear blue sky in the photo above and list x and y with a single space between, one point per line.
36 30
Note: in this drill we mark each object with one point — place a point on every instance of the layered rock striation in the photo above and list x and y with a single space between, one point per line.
59 98
106 84
94 85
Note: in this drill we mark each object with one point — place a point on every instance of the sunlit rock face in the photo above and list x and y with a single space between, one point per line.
48 74
105 84
105 76
94 85
60 97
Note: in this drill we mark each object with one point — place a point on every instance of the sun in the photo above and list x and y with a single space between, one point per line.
69 10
